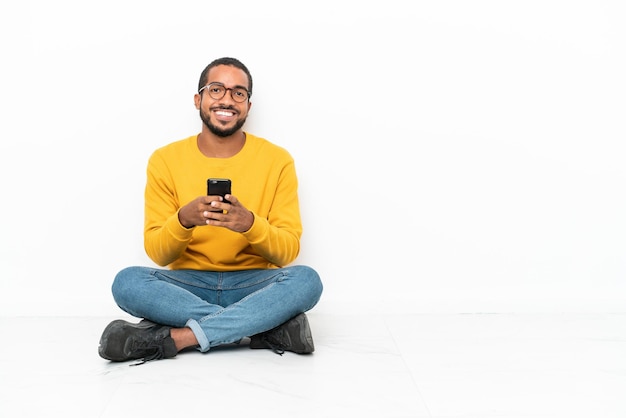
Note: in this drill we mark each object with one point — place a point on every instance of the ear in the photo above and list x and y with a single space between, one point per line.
197 100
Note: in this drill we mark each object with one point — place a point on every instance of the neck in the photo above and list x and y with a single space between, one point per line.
215 146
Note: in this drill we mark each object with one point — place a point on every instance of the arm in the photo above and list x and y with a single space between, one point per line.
277 237
165 238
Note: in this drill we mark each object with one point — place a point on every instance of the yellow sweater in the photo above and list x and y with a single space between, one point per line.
264 180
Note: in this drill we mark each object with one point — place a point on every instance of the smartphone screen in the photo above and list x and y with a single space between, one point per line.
218 187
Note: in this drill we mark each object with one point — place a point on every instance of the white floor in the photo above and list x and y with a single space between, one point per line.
471 366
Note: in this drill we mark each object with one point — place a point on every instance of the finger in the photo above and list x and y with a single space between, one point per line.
232 199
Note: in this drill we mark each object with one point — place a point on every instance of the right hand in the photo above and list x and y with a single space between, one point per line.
192 214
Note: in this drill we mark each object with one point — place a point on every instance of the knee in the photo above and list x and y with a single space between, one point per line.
124 283
311 282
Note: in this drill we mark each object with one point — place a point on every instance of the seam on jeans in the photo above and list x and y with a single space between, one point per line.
245 298
185 282
256 283
220 284
269 278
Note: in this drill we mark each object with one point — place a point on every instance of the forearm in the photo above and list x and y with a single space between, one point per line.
279 246
166 243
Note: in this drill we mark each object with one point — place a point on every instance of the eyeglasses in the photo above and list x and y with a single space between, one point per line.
217 91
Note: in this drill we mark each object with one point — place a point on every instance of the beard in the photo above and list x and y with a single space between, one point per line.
221 132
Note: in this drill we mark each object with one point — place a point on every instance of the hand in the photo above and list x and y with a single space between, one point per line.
233 215
212 210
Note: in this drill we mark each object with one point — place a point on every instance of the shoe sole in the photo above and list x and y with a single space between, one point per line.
305 335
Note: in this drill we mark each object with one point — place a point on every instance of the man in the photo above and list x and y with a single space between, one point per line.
228 257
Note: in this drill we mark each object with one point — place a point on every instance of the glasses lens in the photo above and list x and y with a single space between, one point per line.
216 91
239 94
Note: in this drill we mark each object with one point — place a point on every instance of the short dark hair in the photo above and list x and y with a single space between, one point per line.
233 62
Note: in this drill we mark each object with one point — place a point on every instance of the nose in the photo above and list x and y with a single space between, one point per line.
228 93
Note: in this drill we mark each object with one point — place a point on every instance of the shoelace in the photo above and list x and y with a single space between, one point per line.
156 345
277 348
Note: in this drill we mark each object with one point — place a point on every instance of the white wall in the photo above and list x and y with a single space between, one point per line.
454 156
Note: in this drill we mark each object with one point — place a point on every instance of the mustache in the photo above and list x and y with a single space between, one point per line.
224 107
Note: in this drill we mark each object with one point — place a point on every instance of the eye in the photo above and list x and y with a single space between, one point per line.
241 93
216 89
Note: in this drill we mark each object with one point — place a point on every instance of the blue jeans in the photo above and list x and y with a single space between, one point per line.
219 307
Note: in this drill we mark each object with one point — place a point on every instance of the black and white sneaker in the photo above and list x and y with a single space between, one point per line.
123 341
294 335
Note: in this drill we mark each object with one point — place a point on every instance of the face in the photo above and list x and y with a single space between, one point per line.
223 117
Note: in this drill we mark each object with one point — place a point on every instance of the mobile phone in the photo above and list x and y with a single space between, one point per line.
218 187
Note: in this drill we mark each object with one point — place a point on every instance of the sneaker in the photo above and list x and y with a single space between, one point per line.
294 335
123 341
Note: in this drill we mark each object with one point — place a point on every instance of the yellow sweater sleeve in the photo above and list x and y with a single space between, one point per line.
264 180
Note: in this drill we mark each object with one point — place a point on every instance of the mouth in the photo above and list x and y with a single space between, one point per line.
224 114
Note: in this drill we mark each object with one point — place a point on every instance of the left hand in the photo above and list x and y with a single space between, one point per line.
236 217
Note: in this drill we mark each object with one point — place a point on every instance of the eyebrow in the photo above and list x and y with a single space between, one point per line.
224 85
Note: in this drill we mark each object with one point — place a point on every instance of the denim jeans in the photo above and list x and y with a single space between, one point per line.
219 307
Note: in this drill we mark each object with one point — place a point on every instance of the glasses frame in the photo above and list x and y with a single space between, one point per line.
215 83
